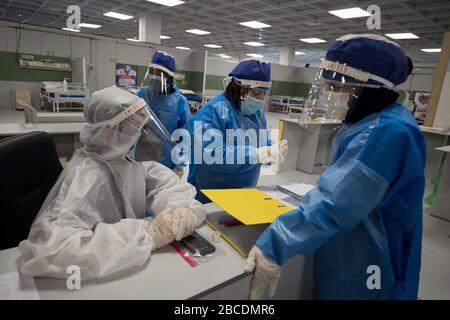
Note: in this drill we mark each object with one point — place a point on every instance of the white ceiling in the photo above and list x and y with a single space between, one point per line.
290 20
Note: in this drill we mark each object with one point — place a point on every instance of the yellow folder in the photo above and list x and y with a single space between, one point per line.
249 206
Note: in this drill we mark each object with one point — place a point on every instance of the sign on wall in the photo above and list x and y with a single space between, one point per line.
126 75
421 100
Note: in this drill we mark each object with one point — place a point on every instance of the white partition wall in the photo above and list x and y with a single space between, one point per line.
442 118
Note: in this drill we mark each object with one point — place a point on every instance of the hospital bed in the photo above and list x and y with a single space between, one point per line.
295 106
53 93
277 103
194 100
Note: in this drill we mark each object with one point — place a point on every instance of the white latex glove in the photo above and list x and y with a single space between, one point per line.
283 148
273 154
266 276
160 231
184 222
179 171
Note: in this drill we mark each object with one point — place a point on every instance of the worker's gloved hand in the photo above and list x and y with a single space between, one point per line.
266 274
184 222
179 171
160 231
273 154
283 148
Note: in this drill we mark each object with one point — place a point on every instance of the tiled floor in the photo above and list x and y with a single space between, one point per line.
435 271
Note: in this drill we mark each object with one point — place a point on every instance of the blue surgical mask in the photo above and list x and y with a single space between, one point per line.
250 105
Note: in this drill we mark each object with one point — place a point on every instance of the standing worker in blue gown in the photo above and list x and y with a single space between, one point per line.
166 101
239 108
363 222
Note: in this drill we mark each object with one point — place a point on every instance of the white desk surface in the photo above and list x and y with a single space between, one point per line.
286 177
12 122
17 116
9 129
165 276
60 115
444 148
323 122
428 130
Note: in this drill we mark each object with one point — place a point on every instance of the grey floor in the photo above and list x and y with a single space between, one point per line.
435 271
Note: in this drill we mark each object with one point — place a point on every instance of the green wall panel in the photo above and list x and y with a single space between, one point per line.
4 62
193 80
402 95
293 89
141 71
282 88
214 82
10 70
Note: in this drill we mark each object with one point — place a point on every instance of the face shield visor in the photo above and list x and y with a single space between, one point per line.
254 95
139 123
335 90
157 81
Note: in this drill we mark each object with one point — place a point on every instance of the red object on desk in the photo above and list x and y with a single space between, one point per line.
229 222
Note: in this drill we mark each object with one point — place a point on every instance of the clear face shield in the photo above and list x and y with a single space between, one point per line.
138 122
157 81
329 100
335 90
154 138
254 94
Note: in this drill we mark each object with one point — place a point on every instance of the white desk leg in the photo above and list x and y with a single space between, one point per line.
293 133
76 141
441 205
296 283
315 148
308 149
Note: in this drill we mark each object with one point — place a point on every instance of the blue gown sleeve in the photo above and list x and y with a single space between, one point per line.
347 192
184 112
210 120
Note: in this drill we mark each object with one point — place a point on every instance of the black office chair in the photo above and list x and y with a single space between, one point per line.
29 167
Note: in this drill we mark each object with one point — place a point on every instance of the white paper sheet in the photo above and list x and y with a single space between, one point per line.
298 189
14 286
277 194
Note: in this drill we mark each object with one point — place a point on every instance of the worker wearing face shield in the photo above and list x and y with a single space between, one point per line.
363 221
162 95
239 108
94 215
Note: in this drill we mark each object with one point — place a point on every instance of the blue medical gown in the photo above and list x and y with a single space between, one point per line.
366 211
221 114
173 111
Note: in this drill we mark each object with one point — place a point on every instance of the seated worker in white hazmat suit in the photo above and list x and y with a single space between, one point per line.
92 217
